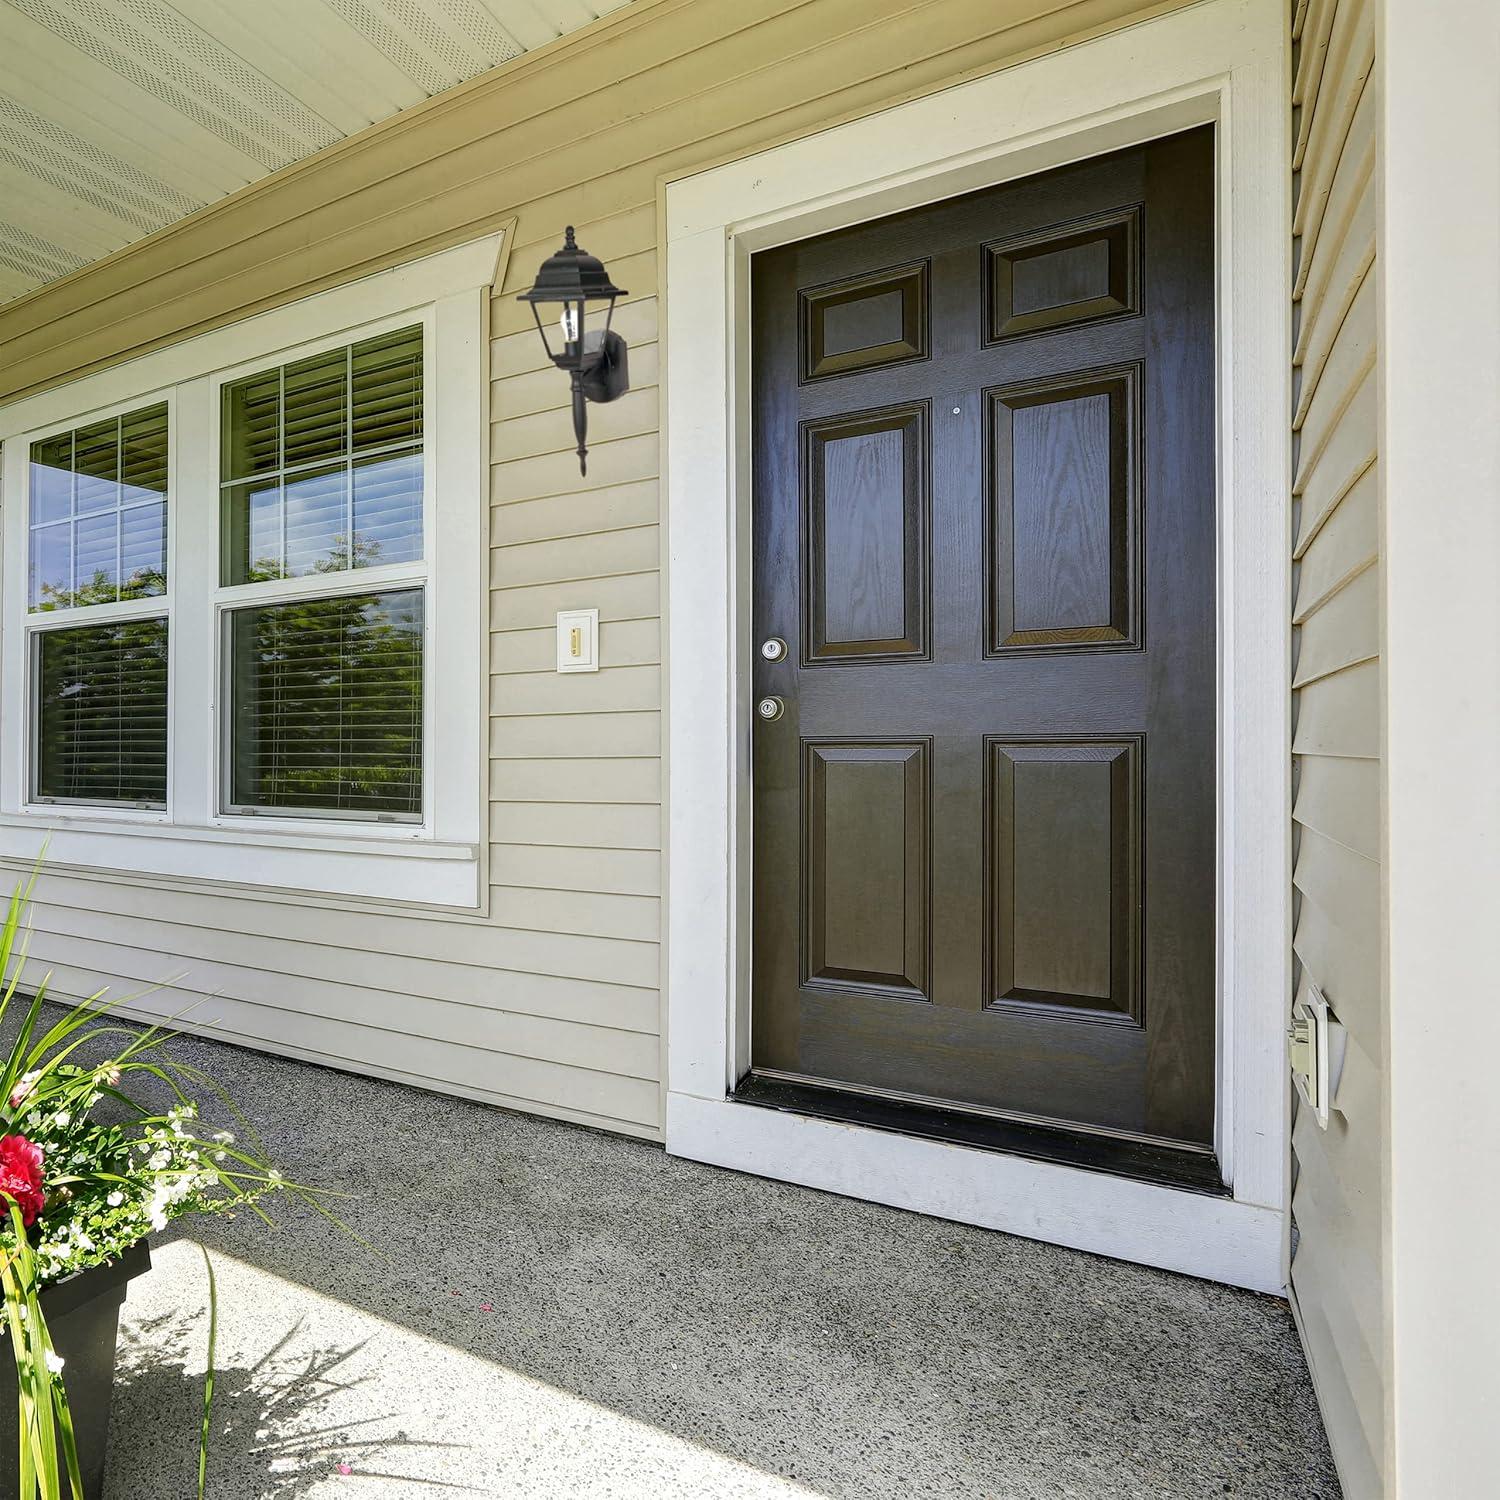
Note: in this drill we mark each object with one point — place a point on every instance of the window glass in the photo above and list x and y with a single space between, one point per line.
98 516
326 706
100 713
321 466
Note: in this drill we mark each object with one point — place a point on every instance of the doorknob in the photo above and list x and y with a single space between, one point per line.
773 649
770 709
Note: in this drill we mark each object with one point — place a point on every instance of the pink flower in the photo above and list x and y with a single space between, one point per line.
24 1085
21 1175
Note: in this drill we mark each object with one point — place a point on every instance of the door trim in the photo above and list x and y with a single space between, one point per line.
1221 61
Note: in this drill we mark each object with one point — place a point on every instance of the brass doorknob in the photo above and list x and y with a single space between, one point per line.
770 709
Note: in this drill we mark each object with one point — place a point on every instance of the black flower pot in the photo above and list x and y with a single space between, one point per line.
83 1317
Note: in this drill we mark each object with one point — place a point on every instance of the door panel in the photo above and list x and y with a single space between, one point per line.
984 506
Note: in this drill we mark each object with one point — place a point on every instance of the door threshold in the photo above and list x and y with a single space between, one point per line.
1192 1168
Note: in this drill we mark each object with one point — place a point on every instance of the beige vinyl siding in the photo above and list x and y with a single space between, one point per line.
550 1000
1338 1259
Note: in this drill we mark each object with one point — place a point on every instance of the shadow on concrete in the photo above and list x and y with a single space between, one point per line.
851 1349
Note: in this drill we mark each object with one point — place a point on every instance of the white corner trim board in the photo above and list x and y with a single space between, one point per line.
1221 61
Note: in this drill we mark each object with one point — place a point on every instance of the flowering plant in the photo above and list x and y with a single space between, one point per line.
86 1172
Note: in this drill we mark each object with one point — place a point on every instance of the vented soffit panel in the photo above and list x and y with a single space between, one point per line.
119 117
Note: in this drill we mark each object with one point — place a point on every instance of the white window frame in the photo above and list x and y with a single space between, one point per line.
437 862
36 623
1222 62
225 599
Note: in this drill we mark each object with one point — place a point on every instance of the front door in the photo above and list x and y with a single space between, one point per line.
984 614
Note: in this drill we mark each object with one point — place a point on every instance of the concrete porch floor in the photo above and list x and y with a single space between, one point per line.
567 1314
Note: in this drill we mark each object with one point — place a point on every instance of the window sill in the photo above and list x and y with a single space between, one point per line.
407 869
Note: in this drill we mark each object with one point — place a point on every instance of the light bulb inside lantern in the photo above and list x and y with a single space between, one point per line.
569 324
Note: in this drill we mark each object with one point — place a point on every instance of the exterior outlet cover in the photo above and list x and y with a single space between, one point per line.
1308 1043
578 640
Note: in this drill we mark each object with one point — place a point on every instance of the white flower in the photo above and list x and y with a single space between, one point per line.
62 1119
115 1199
273 1177
55 1361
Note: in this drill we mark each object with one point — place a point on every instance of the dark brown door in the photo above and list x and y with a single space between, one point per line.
984 526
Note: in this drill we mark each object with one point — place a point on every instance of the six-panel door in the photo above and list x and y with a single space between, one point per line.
984 521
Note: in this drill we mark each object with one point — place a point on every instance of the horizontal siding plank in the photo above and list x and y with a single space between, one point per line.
1340 798
1345 248
1345 545
542 389
578 780
1340 714
609 690
1343 958
602 554
1343 630
1339 1171
1350 450
551 431
215 982
1350 60
534 737
405 983
1358 1089
628 597
1325 397
623 872
1359 1478
584 825
618 462
1321 1272
1340 881
1311 55
637 918
1356 160
615 507
1321 319
622 643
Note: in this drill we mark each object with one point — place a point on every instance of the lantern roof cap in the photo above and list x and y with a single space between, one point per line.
571 275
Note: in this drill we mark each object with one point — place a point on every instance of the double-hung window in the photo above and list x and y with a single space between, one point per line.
244 582
323 581
97 624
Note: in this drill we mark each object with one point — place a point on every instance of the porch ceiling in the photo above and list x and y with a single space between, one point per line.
119 117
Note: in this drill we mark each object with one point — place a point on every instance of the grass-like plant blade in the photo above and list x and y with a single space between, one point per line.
208 1377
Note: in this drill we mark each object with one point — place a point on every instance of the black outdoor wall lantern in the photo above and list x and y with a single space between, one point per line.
595 357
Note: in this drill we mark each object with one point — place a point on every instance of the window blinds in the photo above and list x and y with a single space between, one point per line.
326 712
101 713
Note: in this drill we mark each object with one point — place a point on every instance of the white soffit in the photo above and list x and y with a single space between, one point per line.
119 117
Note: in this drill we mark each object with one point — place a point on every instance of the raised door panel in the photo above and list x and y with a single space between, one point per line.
1065 877
864 322
865 522
866 837
1062 276
1063 525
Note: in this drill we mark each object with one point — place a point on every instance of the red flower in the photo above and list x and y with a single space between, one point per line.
21 1175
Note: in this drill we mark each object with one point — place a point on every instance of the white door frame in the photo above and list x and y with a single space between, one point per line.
1220 61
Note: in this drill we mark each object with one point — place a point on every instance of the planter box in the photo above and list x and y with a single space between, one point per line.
83 1316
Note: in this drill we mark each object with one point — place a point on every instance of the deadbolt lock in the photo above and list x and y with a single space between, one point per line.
773 649
770 709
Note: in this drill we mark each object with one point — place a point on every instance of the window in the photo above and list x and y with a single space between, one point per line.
97 524
321 479
246 578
